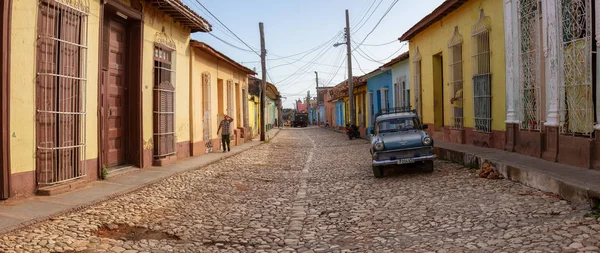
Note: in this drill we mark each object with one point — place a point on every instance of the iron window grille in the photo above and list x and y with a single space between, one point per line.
61 81
417 80
482 76
456 79
207 122
576 95
164 101
371 109
529 65
230 98
245 106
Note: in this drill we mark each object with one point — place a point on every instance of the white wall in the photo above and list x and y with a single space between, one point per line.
400 69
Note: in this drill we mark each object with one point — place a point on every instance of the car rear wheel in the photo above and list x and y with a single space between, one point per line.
377 171
428 166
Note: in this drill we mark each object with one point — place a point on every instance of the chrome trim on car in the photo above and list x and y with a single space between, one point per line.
393 162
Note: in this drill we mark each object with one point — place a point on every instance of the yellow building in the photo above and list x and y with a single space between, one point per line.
96 84
458 71
219 87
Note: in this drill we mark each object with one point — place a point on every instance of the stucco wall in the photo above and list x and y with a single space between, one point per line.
154 22
383 80
434 40
400 70
23 81
218 70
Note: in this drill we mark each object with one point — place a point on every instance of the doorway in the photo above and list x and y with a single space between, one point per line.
438 92
5 7
120 89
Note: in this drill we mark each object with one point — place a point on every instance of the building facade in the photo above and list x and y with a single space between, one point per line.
379 93
219 87
401 80
107 83
551 80
458 72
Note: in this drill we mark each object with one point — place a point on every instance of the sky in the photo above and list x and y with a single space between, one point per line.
299 37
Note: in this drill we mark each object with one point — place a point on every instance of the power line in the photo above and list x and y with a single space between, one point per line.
338 69
378 45
378 22
367 20
300 59
231 45
358 63
365 14
215 17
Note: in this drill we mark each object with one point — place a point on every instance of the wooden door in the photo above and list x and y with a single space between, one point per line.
116 93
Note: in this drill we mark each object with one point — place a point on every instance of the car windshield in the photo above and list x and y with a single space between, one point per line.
398 124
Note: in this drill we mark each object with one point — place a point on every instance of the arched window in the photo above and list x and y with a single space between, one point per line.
482 76
456 78
417 81
164 96
576 95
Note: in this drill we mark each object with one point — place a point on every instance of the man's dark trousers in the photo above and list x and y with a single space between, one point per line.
225 140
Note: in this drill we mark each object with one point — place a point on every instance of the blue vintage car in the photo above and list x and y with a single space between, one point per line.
399 138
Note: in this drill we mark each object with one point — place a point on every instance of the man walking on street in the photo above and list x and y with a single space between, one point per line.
225 132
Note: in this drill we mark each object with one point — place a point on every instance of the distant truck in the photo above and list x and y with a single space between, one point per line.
300 120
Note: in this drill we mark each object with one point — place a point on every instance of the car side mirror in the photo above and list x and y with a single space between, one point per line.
425 126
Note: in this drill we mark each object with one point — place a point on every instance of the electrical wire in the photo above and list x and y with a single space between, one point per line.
358 63
378 22
324 45
364 15
383 44
215 17
231 45
367 20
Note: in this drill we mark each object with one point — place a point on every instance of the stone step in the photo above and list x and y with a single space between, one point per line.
113 172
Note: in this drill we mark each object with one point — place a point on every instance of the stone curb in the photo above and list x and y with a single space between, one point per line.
121 193
570 190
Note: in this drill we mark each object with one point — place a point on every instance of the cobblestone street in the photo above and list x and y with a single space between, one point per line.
312 190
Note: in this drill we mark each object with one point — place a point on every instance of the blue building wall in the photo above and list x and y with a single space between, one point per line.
374 84
322 113
339 113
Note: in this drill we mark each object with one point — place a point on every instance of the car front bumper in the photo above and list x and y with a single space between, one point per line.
396 161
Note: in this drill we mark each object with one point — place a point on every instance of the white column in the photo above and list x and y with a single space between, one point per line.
510 67
597 37
551 49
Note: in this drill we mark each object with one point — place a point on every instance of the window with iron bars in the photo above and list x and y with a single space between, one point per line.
371 109
164 102
230 98
529 65
207 122
456 79
60 91
245 106
576 91
482 76
417 80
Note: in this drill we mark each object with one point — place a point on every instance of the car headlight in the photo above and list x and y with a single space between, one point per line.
427 140
378 146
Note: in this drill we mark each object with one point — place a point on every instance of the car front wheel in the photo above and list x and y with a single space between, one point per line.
377 171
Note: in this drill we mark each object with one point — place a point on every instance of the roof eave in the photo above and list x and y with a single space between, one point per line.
210 50
440 12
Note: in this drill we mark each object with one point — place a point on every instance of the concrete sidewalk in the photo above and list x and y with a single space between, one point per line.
579 185
18 213
575 184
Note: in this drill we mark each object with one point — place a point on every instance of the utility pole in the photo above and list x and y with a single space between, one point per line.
263 86
318 105
308 107
350 78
